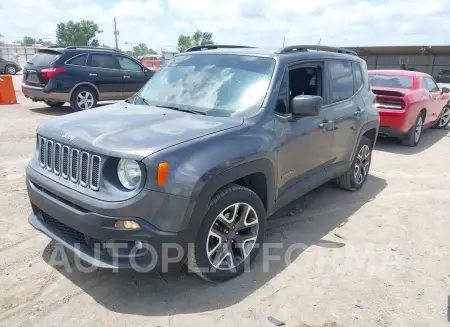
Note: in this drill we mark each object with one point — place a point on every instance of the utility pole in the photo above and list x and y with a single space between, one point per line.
116 33
284 40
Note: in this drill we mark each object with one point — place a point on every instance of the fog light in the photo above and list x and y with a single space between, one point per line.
127 224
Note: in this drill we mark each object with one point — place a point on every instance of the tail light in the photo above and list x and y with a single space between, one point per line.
390 103
50 72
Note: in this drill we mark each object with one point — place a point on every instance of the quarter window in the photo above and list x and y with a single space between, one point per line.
358 76
78 61
430 85
341 80
130 65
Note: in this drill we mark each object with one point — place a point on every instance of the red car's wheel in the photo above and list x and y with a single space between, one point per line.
415 133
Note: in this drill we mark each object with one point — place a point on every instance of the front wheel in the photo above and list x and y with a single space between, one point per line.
10 70
445 118
54 103
230 235
356 175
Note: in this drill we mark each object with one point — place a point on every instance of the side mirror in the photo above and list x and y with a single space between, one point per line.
445 90
306 105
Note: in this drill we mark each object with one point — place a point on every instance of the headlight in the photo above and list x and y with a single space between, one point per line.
129 173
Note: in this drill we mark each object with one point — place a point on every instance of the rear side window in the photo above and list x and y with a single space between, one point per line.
359 80
130 65
104 61
78 61
430 85
341 80
44 58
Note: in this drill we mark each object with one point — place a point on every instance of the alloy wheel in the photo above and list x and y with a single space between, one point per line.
445 117
232 236
11 70
418 129
362 164
85 100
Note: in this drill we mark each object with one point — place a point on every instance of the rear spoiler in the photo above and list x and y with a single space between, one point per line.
388 93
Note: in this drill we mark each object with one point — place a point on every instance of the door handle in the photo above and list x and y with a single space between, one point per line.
358 112
91 74
326 123
126 77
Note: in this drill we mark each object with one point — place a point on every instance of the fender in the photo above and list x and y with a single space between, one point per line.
373 124
87 84
207 186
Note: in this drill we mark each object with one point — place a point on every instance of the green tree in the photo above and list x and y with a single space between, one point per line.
198 38
77 33
95 43
44 43
142 49
28 40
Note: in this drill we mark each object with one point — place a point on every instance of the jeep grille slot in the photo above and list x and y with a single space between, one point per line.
84 169
95 172
76 165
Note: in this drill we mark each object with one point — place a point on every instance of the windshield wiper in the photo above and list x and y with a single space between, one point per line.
195 112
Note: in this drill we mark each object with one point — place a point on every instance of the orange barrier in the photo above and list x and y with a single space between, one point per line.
7 93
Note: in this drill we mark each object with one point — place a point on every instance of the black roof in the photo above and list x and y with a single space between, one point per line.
79 48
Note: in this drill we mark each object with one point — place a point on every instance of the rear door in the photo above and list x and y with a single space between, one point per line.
32 71
133 75
348 106
2 65
103 70
436 102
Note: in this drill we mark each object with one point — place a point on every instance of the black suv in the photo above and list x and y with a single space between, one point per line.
82 76
190 167
443 76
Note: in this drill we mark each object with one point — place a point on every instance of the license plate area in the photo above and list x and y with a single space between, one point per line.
32 78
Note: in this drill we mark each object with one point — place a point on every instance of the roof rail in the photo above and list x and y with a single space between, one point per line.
90 47
217 46
292 48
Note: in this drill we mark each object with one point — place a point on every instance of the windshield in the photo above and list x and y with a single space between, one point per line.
398 81
218 85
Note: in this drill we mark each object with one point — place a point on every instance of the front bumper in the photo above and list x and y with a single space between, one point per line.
92 237
39 94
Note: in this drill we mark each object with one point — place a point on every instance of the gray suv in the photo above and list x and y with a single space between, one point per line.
189 168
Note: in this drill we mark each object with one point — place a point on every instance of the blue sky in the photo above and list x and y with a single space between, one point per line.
255 22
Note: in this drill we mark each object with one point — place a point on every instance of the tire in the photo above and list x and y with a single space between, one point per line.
54 103
217 236
88 94
354 178
444 118
415 134
10 70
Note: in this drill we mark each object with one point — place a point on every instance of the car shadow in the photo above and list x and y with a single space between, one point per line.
305 221
429 138
61 111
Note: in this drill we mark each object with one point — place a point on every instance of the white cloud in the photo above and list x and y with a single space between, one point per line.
256 22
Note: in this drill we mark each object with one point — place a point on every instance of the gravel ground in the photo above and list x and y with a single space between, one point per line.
385 247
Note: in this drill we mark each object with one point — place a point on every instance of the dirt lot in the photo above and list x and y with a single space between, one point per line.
386 247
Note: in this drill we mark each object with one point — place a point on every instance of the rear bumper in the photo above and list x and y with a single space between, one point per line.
394 119
385 131
36 93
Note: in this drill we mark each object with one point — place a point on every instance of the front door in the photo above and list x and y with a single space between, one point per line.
437 100
304 145
133 76
103 70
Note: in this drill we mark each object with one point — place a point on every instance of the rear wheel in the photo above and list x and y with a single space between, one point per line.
83 98
11 70
230 235
415 133
357 174
54 103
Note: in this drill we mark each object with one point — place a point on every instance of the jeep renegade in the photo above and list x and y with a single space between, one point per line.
212 145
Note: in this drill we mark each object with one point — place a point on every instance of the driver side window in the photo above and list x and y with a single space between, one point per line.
430 85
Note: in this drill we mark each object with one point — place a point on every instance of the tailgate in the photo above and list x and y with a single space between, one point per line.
42 59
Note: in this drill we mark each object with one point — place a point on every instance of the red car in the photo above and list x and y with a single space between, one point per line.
408 102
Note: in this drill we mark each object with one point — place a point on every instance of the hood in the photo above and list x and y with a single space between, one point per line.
132 131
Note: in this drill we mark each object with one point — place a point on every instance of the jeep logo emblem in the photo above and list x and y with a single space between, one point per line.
68 136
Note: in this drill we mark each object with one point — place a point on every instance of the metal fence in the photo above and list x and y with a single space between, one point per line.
430 64
18 53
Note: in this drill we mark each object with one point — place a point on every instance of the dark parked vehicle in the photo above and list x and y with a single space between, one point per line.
9 67
443 76
82 76
215 142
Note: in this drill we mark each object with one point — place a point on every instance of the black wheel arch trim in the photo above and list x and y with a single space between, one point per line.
81 84
374 124
208 186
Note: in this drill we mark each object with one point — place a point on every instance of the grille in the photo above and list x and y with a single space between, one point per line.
69 232
80 167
